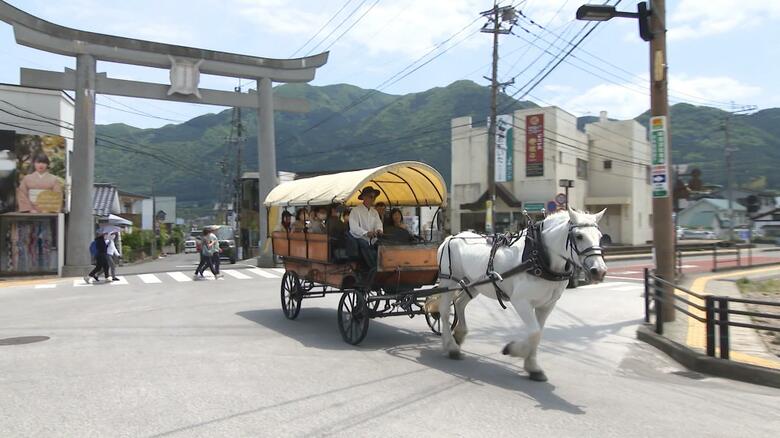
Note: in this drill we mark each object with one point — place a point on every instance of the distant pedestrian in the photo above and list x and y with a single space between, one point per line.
205 254
101 262
216 251
112 255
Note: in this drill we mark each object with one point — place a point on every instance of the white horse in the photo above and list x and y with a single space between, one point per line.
567 238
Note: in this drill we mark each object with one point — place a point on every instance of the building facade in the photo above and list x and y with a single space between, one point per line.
608 163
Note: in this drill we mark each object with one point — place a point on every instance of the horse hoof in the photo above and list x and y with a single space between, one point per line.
505 351
455 355
537 376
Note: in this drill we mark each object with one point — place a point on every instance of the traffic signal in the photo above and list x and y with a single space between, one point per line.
753 203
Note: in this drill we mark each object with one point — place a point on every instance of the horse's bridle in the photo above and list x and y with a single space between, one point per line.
591 251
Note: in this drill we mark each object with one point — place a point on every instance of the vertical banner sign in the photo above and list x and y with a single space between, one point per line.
504 148
534 145
659 138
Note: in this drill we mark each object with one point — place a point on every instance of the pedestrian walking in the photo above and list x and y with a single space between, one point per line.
101 262
206 245
112 255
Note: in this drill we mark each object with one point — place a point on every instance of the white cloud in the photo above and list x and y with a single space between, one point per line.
627 100
697 18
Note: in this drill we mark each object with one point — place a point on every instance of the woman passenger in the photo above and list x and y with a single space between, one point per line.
395 228
301 215
285 224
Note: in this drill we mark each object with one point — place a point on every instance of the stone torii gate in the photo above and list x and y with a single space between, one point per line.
185 65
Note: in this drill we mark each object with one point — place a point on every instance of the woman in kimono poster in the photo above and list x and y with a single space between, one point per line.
42 170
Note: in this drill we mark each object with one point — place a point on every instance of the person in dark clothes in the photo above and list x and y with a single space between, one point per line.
101 258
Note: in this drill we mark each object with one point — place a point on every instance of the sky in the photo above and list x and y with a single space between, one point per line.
722 53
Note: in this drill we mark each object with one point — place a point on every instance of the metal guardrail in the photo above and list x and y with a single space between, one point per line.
716 312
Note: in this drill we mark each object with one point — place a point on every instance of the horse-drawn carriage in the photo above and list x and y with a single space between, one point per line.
528 269
314 266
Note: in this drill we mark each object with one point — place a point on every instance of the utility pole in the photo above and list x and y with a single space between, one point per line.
729 176
237 183
496 17
663 227
154 220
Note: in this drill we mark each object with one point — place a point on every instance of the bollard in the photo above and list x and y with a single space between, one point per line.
647 296
659 306
709 320
723 323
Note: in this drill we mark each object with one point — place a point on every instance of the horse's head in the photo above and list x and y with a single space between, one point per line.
584 241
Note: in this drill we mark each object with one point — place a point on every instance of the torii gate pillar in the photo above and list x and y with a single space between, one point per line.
266 155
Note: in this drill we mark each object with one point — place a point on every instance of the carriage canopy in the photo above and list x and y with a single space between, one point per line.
403 183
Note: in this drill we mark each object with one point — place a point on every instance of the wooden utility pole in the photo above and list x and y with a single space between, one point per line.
496 17
663 226
237 183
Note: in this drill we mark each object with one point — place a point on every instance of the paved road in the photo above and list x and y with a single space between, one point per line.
691 264
217 358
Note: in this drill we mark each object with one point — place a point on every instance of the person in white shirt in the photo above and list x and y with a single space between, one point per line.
112 254
366 226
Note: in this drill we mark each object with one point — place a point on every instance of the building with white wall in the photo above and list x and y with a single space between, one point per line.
609 164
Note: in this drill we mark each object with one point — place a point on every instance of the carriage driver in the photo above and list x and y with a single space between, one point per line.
366 226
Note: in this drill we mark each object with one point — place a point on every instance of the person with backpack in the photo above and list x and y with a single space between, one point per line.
99 250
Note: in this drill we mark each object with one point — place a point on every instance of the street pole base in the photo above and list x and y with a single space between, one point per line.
266 261
75 270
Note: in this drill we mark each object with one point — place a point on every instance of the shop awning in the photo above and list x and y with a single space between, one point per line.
404 183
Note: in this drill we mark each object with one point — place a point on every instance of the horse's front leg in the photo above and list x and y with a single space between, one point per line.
526 347
530 364
447 340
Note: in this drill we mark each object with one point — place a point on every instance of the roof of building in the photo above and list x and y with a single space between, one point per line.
131 194
723 204
105 200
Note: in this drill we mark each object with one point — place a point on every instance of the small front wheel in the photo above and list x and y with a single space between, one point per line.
434 320
353 317
291 295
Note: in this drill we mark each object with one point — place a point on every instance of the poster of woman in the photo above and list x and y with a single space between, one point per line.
41 171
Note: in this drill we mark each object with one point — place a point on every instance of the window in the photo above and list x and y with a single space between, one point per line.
560 157
582 169
607 164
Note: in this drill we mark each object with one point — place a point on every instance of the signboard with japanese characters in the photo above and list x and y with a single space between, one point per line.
659 139
534 145
504 148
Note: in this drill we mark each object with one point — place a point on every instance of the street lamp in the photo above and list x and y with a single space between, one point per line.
652 28
605 12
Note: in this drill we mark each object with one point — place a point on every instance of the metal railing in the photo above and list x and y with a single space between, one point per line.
716 312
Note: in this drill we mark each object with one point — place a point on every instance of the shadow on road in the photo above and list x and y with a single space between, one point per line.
317 328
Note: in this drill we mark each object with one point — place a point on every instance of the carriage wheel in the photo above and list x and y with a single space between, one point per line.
373 305
353 317
434 320
291 295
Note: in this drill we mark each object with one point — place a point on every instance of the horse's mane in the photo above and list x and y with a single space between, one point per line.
560 217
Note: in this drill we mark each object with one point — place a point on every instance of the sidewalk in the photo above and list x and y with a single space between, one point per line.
746 345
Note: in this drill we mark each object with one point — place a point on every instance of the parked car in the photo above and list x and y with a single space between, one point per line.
190 246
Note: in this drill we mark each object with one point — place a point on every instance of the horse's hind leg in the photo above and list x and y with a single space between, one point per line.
462 299
448 341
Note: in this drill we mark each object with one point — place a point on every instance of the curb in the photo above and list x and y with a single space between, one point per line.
702 363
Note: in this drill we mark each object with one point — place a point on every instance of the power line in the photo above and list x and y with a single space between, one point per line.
333 17
354 23
337 27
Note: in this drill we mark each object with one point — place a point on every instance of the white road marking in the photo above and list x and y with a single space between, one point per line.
600 285
688 266
179 276
47 286
631 288
628 272
236 274
279 270
149 278
80 283
122 281
262 273
624 278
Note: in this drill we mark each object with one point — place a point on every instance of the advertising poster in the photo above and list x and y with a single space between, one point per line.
40 173
534 145
29 244
504 148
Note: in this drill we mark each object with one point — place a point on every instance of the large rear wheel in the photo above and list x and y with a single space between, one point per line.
291 294
353 317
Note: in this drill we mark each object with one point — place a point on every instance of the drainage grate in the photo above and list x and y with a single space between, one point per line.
23 340
690 374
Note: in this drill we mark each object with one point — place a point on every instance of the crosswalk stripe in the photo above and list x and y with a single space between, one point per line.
633 287
122 281
236 274
149 278
279 270
45 286
600 285
262 273
179 276
79 282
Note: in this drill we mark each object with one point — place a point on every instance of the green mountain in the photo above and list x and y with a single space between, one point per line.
186 160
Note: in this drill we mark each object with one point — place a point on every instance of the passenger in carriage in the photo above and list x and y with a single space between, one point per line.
365 226
380 210
301 215
317 222
395 229
285 224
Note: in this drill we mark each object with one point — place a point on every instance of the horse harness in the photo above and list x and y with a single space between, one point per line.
534 261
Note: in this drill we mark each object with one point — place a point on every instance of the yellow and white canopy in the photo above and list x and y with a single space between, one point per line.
405 183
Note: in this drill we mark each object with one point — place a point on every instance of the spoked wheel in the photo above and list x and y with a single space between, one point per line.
353 317
434 320
291 295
